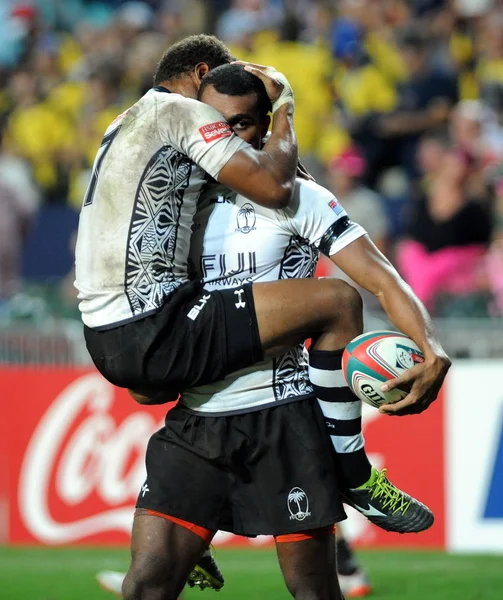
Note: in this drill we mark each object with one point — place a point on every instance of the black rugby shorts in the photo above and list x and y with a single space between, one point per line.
197 337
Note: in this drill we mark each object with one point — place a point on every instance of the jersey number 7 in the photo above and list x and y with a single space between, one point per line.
105 145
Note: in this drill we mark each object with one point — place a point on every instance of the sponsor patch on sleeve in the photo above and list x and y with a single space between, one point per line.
336 207
215 131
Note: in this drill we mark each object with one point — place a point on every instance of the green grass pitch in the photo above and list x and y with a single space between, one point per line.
68 574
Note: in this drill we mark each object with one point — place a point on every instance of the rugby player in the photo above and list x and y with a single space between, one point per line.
154 163
247 454
148 327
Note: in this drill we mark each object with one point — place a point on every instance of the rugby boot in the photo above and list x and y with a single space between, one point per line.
388 507
353 580
111 581
356 585
206 573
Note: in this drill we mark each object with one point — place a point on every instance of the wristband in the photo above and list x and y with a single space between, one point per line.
287 92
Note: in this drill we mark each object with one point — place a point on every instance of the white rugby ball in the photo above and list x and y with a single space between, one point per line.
373 358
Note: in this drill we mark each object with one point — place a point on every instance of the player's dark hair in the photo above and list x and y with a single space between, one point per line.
183 56
233 80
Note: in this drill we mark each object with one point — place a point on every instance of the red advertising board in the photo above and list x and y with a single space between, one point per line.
75 448
76 456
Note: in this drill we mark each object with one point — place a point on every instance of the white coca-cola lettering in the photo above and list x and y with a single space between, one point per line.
94 460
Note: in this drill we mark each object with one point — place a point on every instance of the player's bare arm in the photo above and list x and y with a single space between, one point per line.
267 176
370 269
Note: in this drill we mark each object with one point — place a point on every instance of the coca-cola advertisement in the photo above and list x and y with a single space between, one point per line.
75 449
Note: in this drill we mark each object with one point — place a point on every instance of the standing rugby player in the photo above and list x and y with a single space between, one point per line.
248 454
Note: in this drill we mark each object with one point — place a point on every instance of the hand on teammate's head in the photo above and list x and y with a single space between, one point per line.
276 84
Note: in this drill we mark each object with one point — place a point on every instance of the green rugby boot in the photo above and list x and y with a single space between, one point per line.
206 573
388 507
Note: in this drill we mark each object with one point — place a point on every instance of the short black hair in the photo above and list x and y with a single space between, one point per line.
183 56
233 80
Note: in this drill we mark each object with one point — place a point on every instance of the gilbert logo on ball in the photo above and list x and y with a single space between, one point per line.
374 358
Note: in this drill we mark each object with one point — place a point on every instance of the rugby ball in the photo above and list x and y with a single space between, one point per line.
373 358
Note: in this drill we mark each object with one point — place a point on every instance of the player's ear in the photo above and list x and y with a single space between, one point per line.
200 70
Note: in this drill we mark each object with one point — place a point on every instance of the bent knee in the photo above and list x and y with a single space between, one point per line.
348 298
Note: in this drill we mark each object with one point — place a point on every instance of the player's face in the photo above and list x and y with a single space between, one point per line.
241 112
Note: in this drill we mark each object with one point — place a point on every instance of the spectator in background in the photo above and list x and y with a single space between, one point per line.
448 234
19 200
476 131
36 133
364 206
45 63
103 103
344 178
133 18
425 101
295 59
494 261
383 75
13 222
245 17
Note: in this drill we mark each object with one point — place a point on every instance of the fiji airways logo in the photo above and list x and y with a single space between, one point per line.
298 504
246 219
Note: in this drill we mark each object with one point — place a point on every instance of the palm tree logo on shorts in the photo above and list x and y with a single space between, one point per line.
246 219
298 504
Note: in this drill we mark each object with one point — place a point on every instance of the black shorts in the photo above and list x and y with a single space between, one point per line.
196 338
268 472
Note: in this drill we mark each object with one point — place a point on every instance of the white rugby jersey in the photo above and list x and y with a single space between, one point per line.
236 241
136 220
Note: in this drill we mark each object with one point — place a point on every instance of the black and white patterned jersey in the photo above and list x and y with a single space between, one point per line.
236 241
137 216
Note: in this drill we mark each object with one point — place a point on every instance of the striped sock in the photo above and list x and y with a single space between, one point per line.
343 415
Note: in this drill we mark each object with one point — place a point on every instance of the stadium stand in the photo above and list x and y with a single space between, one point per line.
411 91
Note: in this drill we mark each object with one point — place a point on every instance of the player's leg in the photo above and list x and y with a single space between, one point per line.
330 311
290 311
353 579
163 553
205 574
308 564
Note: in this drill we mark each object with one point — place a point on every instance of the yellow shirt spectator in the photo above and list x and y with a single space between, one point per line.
39 134
309 69
365 90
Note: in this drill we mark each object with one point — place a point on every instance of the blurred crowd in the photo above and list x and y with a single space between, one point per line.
399 111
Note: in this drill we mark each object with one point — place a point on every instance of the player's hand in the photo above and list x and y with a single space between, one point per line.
424 381
276 84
